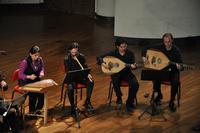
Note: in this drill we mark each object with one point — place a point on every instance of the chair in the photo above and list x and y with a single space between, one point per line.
16 88
124 83
168 83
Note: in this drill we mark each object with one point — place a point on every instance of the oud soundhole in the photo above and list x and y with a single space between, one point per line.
153 60
159 61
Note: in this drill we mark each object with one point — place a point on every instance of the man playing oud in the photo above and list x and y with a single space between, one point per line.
121 52
174 55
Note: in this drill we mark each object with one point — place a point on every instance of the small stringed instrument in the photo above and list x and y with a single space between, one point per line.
158 61
115 65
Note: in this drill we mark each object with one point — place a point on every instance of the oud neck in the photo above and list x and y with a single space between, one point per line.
128 65
137 65
185 66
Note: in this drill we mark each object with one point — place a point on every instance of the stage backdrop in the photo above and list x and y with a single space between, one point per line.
21 1
151 18
105 8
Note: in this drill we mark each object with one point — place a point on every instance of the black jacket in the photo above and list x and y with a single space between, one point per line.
71 65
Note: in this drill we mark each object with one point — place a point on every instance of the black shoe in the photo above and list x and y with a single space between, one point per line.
38 112
158 99
73 111
119 103
172 107
88 106
130 107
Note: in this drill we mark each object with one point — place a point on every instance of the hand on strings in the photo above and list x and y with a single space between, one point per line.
90 77
145 61
32 76
133 66
106 66
41 76
179 67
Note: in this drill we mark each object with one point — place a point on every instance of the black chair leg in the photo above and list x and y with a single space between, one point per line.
136 100
64 98
81 94
13 94
110 98
109 91
179 94
61 95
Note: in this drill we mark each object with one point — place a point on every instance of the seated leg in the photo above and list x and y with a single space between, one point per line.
174 90
157 88
116 85
32 102
40 103
133 88
71 98
87 105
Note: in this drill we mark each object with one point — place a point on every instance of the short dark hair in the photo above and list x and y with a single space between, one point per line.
168 35
120 41
34 49
73 45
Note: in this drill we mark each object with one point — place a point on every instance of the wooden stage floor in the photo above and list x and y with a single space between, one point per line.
52 32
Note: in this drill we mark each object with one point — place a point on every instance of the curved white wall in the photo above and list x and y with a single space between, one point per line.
150 19
105 7
20 1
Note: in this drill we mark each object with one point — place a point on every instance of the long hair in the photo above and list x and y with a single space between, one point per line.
34 49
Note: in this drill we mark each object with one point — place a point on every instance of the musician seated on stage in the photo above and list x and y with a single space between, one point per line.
75 60
173 53
10 120
121 52
32 70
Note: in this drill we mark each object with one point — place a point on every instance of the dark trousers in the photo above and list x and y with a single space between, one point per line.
71 87
36 101
133 84
175 81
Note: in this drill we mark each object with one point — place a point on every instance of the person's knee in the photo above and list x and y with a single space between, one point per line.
70 88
